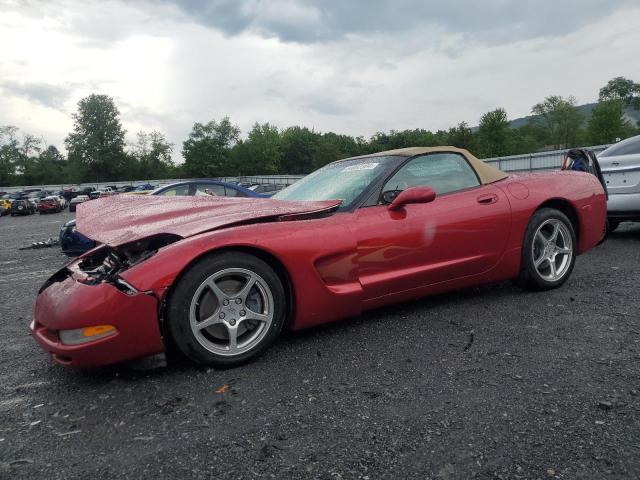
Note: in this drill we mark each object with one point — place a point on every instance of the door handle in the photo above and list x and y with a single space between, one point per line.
487 199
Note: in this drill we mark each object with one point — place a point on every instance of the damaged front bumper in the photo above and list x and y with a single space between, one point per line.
68 302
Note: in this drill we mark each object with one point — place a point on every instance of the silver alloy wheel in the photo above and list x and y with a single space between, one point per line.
231 311
552 250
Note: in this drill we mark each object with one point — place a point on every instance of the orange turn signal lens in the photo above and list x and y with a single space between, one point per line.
97 330
79 336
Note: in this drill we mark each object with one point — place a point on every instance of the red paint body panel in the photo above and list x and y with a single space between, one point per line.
423 244
338 264
133 217
581 190
70 304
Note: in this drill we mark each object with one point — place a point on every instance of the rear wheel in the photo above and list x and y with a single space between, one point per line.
548 251
226 309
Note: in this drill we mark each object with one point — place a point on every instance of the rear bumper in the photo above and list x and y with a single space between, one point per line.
69 304
48 208
624 206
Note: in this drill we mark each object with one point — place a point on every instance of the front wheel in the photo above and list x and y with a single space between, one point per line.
226 309
548 250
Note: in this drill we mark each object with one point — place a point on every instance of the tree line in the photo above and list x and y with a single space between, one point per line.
97 151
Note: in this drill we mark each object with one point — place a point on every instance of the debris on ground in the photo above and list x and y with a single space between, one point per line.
50 242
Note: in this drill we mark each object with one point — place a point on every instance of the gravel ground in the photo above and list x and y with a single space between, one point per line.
490 382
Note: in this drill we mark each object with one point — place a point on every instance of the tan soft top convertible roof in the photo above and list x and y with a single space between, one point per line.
486 173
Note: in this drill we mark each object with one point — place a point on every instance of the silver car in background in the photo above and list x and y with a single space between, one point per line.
620 164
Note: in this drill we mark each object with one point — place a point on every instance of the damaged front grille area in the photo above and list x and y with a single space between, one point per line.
105 264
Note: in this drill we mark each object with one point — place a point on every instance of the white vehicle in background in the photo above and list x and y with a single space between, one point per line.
61 200
75 201
105 192
620 165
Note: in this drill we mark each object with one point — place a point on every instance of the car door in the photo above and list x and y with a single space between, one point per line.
462 232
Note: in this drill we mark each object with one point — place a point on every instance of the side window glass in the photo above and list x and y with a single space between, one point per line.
232 192
209 189
177 190
444 172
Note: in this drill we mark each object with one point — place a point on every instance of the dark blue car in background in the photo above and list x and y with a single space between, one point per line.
73 243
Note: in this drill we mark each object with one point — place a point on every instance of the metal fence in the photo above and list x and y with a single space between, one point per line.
531 162
513 163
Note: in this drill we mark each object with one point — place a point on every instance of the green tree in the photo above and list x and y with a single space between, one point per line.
299 147
9 154
207 150
607 123
28 169
494 134
560 120
152 153
332 147
260 153
623 89
525 139
461 136
96 145
406 138
51 167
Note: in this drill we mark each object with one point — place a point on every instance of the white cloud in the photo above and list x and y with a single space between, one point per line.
166 71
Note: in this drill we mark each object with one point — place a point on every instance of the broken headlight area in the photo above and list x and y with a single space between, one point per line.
105 264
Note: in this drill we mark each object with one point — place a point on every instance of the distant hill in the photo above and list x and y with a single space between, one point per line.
631 114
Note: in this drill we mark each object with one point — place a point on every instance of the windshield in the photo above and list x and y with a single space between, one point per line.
344 180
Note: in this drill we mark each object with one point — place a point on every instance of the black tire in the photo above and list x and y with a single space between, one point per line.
529 276
72 209
612 224
177 322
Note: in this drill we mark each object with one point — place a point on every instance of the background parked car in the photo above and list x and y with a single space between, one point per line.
105 192
51 204
620 164
74 243
22 206
67 194
76 201
142 189
85 191
204 187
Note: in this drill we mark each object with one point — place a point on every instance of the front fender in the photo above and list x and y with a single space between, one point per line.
318 255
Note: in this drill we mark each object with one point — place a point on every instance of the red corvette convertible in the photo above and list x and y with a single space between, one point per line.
218 278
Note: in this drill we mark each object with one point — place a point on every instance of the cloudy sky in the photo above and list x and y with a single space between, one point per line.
350 66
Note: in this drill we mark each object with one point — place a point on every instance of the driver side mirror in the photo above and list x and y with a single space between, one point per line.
397 199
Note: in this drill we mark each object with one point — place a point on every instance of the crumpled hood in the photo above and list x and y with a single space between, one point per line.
126 218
